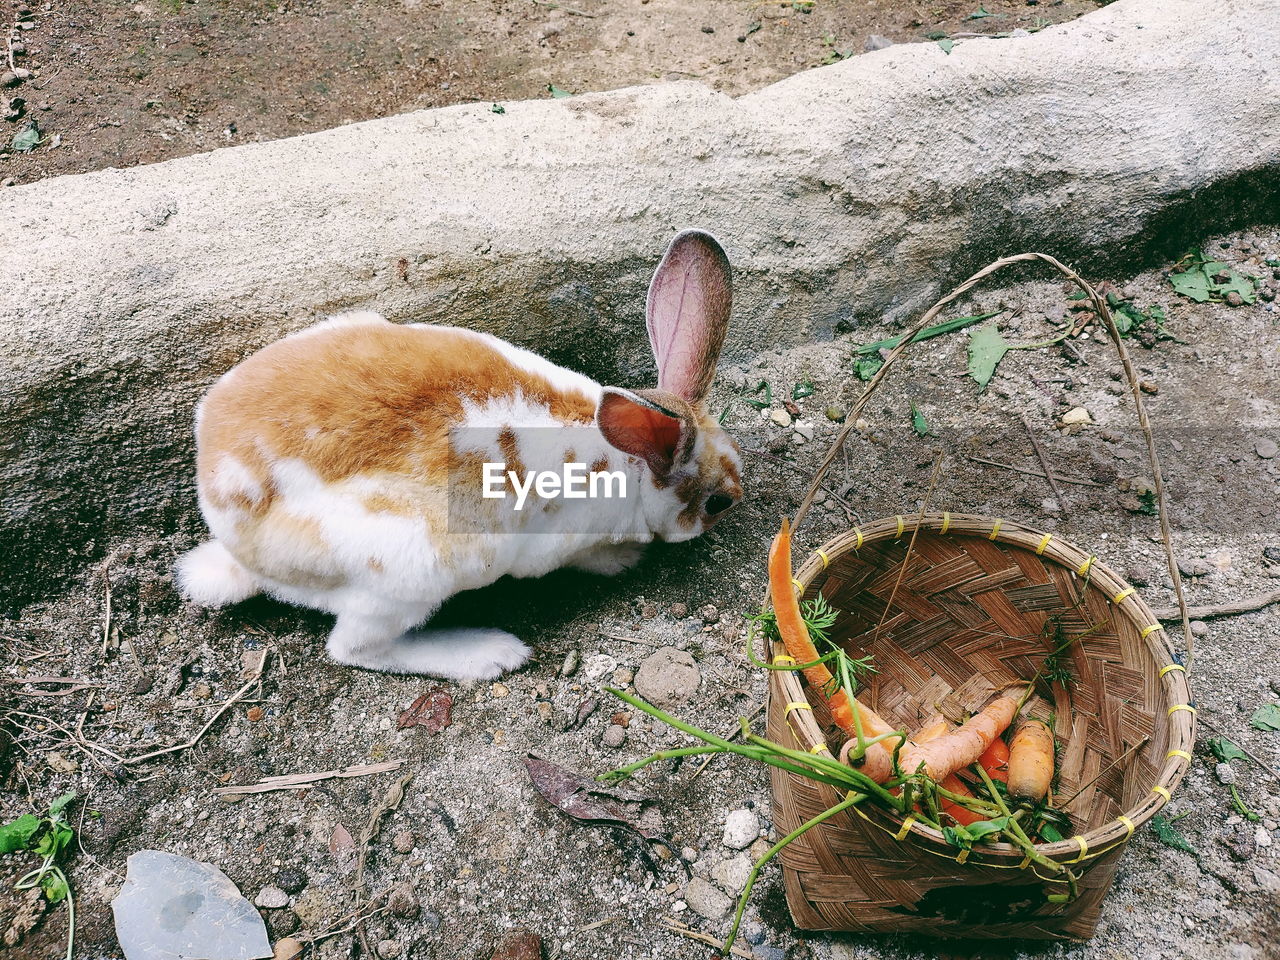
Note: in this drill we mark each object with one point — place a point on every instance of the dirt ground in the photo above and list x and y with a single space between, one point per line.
117 84
483 852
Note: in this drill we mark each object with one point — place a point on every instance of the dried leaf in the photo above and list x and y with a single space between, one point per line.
433 710
586 800
519 945
341 839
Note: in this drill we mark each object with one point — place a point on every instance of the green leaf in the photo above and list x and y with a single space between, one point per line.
982 14
1049 833
802 389
958 837
984 828
1225 750
867 367
986 349
55 840
1168 834
937 330
1235 283
1193 284
54 885
557 92
26 139
497 108
17 834
918 422
1266 717
60 804
946 43
754 398
1240 806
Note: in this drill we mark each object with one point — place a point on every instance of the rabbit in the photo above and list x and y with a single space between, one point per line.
339 469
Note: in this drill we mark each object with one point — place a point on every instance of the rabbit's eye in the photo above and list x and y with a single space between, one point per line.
718 503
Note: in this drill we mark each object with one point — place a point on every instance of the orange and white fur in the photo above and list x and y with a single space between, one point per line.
331 463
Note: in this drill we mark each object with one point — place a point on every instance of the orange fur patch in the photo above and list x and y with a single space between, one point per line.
365 398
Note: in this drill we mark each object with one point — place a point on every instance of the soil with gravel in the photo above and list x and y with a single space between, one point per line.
479 848
117 84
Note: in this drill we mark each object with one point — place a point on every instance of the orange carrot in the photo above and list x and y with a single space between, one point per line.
878 760
955 751
1031 761
959 814
996 760
933 729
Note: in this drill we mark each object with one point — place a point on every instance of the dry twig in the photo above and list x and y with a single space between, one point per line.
1247 605
290 780
1044 463
1035 473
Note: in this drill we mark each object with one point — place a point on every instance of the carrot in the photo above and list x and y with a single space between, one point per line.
996 760
1031 761
955 751
877 762
935 728
959 814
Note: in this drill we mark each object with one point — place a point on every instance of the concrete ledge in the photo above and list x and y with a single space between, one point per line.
854 189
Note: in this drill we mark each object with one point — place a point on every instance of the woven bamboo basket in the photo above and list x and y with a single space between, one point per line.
967 618
978 607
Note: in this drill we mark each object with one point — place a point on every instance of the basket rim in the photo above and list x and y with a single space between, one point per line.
1173 675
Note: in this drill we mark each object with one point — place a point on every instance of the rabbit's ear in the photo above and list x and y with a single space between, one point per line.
649 424
687 313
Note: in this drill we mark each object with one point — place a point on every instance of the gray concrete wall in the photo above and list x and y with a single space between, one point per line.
852 190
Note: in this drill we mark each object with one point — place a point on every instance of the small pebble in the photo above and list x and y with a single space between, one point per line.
390 949
876 42
500 691
614 736
1199 628
835 414
1076 416
648 611
404 840
1225 773
287 949
1194 568
706 900
741 828
804 430
679 610
598 666
1266 448
402 901
1234 299
271 898
709 613
570 665
732 874
254 714
780 417
545 711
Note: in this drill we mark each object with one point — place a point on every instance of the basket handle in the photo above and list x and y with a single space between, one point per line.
1100 306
